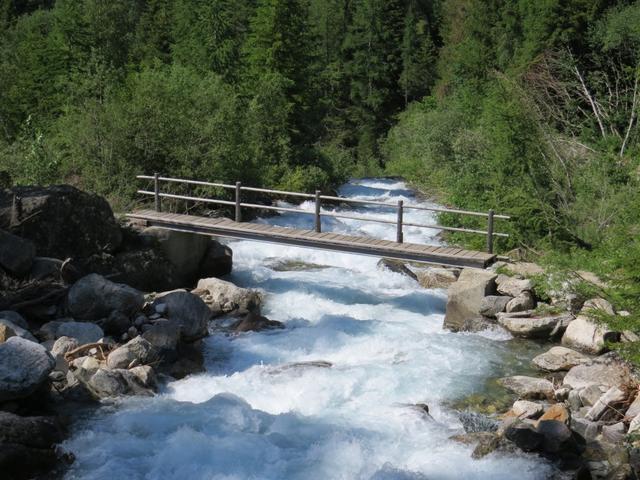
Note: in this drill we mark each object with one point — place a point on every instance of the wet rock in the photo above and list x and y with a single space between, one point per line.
190 360
88 227
146 375
588 336
559 359
27 445
513 287
524 325
557 436
527 409
137 351
15 318
163 335
437 277
528 387
94 297
312 364
607 370
83 332
521 303
16 254
255 323
188 311
115 324
396 266
524 436
477 324
485 442
224 297
184 250
24 367
217 261
465 297
493 304
105 383
609 400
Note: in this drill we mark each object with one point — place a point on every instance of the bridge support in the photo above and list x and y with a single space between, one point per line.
238 207
156 191
399 234
490 232
318 204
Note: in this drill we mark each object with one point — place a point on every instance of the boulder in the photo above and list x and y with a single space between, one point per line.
523 324
634 408
590 394
184 250
634 425
24 366
217 261
188 311
146 375
83 332
527 409
585 428
60 220
528 387
27 445
18 330
396 266
597 306
104 383
15 318
613 433
492 305
254 322
557 412
224 297
587 336
94 297
466 295
557 436
46 268
610 399
606 370
523 302
137 352
437 277
16 254
526 269
61 346
115 324
559 359
513 287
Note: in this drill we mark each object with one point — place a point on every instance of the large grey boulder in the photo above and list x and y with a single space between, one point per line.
513 287
60 220
83 332
94 297
466 295
16 254
558 359
224 297
15 318
523 302
137 351
217 262
530 388
24 366
183 249
492 305
188 311
164 335
606 370
523 324
27 445
588 336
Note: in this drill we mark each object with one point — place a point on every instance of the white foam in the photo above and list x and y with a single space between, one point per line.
248 417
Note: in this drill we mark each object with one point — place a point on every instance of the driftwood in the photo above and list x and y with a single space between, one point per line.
88 346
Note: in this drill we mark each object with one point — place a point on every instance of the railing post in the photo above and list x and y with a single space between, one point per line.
238 208
490 232
156 190
318 219
399 236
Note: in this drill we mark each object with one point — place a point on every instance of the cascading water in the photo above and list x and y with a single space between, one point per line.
248 417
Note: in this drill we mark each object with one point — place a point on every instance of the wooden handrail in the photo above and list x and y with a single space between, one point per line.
399 207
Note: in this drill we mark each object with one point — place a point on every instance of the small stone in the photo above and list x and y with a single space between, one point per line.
585 428
562 394
557 436
557 412
138 349
527 409
521 303
574 400
6 332
132 332
493 304
140 321
598 305
627 336
161 308
590 394
634 408
613 433
124 337
514 287
634 426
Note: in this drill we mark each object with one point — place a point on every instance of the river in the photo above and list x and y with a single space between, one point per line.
245 418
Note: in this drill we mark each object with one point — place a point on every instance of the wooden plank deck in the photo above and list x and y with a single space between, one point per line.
223 227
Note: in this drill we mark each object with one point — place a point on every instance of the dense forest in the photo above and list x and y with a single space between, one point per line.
529 107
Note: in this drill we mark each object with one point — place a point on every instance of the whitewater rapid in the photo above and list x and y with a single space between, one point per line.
245 418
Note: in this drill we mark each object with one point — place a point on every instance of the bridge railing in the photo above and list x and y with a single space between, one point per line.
399 207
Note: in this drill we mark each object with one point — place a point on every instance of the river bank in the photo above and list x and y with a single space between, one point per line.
354 376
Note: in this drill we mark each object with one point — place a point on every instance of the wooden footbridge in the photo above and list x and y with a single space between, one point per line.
316 238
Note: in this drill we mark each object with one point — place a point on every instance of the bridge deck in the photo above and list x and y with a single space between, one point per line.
223 227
